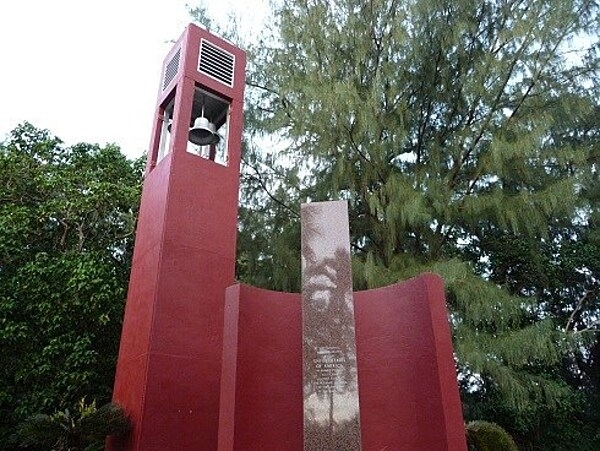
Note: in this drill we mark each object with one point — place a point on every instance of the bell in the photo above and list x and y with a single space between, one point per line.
203 132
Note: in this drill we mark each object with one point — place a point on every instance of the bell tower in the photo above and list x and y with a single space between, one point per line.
169 367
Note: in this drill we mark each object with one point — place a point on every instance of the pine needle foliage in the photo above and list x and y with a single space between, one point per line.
438 122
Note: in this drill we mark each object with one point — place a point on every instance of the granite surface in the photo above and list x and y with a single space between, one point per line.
330 379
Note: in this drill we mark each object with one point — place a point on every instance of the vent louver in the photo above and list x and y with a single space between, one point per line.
216 63
171 69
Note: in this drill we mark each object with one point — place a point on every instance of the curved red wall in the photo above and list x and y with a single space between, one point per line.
409 396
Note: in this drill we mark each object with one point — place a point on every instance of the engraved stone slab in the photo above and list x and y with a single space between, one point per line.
331 410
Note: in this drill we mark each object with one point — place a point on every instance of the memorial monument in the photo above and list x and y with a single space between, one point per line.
331 408
208 364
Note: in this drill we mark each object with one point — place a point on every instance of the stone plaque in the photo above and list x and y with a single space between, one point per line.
331 411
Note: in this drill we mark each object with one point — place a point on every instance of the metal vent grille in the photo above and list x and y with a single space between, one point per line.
216 63
171 69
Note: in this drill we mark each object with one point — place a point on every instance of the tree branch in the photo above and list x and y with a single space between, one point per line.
577 309
265 188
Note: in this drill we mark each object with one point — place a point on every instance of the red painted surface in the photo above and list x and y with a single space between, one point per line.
409 396
261 395
181 88
168 373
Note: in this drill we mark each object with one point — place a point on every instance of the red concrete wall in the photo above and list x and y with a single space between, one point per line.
169 367
261 392
409 396
168 374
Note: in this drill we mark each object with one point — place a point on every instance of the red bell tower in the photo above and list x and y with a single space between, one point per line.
168 373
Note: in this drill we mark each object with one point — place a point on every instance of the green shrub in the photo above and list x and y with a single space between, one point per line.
486 436
84 430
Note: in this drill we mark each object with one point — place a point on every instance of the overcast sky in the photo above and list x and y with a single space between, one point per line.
89 70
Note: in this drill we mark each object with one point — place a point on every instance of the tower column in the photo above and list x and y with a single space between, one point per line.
169 367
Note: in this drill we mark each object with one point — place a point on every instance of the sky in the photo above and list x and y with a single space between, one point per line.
90 70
